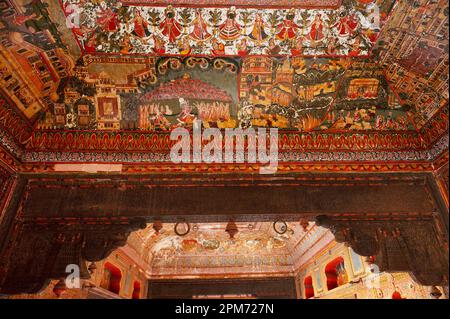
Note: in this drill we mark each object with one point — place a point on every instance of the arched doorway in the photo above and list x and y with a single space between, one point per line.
136 290
335 273
309 289
111 278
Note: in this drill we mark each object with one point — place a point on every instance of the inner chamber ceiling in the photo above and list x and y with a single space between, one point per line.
90 90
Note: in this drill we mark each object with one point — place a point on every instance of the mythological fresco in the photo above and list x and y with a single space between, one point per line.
365 101
413 51
324 69
168 92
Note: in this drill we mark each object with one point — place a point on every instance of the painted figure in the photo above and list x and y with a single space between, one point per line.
107 19
297 46
230 29
185 116
273 48
342 277
158 46
140 25
126 45
355 48
316 33
184 46
288 28
160 121
258 33
200 32
91 42
170 27
218 48
332 46
346 25
242 47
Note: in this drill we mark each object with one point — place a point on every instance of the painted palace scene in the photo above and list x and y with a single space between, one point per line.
116 177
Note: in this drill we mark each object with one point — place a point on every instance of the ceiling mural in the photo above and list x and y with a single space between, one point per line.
413 51
112 26
131 71
208 248
33 56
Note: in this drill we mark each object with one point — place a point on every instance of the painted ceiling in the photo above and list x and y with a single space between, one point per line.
101 80
208 249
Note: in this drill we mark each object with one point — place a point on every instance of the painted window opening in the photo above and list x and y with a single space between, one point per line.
309 289
111 278
136 290
336 273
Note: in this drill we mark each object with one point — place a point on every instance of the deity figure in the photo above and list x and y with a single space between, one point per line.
140 25
346 25
184 46
170 26
297 46
218 48
316 33
273 48
286 30
230 29
107 19
242 47
258 33
200 32
90 43
158 47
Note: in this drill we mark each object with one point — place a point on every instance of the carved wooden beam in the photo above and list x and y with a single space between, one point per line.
45 247
412 245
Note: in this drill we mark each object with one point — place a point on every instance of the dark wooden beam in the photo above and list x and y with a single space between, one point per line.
217 198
